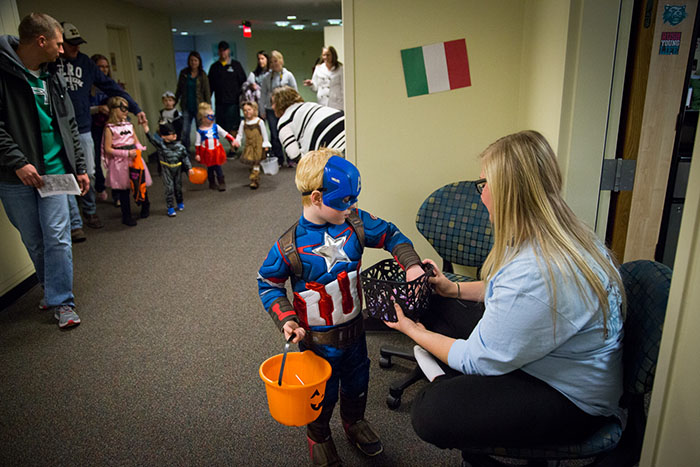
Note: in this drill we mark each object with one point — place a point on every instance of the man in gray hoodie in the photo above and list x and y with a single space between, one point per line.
39 136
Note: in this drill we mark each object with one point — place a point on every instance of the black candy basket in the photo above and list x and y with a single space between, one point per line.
386 280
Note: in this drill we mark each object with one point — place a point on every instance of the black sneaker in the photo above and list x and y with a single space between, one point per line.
129 221
363 436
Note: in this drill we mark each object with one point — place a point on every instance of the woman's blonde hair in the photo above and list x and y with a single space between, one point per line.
203 110
276 54
309 175
524 182
283 97
114 103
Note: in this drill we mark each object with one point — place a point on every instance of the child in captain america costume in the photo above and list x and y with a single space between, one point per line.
322 254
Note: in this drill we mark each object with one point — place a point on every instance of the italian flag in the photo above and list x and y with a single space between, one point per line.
436 67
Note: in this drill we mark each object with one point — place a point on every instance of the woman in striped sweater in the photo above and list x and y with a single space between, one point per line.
306 126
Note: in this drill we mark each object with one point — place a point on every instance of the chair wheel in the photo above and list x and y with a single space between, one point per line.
393 402
385 362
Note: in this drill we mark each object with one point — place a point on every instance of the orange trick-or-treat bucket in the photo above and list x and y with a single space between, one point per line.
297 401
198 175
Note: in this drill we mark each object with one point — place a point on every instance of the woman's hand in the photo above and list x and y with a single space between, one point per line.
403 324
443 286
292 327
308 82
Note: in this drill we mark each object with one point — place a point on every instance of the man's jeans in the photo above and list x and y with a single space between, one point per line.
44 226
87 200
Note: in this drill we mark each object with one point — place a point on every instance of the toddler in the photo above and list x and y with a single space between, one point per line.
170 114
208 149
121 153
321 254
173 158
256 141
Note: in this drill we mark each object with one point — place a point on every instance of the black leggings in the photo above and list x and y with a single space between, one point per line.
458 410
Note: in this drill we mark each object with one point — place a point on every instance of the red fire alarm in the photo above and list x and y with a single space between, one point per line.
247 30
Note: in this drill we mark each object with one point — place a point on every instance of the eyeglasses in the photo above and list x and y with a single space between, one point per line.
479 184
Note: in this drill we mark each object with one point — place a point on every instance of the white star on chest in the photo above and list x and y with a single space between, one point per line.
331 250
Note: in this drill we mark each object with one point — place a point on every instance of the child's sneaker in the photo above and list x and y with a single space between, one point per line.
42 305
363 436
180 206
171 212
323 454
66 316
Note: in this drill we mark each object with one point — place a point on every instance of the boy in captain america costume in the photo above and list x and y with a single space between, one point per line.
322 255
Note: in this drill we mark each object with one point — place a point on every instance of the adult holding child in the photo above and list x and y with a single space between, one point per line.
278 76
327 80
251 91
192 89
545 359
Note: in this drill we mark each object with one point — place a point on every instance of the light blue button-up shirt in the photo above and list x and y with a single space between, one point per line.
570 353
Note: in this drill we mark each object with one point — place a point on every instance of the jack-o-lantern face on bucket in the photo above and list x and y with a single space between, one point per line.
316 400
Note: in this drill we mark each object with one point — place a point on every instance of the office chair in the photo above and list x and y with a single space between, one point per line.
646 284
456 223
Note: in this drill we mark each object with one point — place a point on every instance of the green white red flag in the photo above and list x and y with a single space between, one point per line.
436 67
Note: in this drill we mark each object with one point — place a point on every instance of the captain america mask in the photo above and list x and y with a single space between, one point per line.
341 184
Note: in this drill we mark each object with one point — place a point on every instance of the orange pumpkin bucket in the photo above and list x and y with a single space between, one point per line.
297 400
198 175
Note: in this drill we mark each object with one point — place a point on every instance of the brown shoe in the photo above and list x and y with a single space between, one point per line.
363 436
323 454
77 235
92 221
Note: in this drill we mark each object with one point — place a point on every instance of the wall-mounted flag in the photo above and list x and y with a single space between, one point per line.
436 67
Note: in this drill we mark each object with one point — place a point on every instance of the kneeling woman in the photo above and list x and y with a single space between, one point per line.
544 361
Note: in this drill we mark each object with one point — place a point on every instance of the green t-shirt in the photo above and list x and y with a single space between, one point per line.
50 139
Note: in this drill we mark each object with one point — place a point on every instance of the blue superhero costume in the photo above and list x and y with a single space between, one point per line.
327 290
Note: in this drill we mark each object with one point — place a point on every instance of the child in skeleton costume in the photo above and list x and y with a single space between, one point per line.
208 149
322 254
170 114
173 158
256 141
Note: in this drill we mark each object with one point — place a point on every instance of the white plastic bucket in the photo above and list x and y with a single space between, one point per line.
270 165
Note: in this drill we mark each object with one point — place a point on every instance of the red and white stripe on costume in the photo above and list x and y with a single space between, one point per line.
335 303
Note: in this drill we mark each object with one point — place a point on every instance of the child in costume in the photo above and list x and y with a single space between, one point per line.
321 254
121 154
256 141
170 114
208 149
173 158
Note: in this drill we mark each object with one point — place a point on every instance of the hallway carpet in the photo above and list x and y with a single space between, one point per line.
163 369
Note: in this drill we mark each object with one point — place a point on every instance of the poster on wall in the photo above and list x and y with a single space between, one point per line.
670 43
436 67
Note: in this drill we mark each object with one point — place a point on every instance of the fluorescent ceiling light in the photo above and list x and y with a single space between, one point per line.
184 33
297 27
291 17
282 24
173 30
207 21
314 24
335 22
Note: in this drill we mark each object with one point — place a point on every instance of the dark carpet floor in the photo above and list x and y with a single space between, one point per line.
163 369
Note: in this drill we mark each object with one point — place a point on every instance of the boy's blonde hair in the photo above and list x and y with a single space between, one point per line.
253 104
203 111
309 175
114 103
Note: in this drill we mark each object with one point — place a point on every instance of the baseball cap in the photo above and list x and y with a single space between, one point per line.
223 45
71 34
168 94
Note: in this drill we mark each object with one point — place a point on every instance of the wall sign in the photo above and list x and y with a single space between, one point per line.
670 43
674 14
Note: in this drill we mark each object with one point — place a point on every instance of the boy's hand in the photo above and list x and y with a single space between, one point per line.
191 171
236 144
145 127
292 327
196 158
141 117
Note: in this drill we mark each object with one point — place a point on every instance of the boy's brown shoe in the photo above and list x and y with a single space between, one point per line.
323 454
363 436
